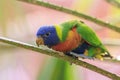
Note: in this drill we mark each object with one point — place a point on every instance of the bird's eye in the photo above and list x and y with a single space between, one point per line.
47 34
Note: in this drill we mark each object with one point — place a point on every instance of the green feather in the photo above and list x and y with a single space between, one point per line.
86 33
90 36
66 27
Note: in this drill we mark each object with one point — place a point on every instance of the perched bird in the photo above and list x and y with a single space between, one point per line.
73 38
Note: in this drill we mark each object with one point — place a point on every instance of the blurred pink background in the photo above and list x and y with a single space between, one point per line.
21 64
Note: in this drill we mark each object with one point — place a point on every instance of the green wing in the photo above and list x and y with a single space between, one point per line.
88 34
66 27
85 32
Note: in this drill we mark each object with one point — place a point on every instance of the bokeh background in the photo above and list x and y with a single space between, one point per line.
20 21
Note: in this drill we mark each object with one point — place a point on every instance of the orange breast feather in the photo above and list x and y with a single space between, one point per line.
72 41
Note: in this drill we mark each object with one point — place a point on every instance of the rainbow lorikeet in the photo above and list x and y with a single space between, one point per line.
73 38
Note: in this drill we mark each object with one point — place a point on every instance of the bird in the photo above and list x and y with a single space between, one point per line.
74 38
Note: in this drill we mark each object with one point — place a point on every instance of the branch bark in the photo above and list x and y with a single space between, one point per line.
75 13
114 3
47 51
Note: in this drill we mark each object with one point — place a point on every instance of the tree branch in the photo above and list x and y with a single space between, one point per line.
75 13
47 51
114 3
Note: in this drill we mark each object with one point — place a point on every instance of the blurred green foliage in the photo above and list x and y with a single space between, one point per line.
9 11
56 69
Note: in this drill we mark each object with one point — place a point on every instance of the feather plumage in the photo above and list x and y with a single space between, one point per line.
73 36
72 41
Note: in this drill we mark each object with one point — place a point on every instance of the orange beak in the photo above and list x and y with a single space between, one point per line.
39 41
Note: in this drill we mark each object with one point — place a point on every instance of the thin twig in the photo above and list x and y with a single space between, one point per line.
47 51
75 13
114 3
111 42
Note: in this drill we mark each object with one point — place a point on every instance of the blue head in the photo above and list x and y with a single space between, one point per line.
47 35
